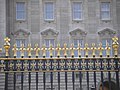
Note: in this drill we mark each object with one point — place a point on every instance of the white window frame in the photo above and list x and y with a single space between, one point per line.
49 19
78 11
23 11
103 11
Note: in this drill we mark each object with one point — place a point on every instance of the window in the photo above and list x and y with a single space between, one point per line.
49 11
77 10
20 11
105 10
18 43
49 42
104 44
76 43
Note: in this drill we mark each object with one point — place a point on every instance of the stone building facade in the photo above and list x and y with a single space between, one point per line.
59 21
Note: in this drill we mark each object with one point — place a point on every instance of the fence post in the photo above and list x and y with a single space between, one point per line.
6 47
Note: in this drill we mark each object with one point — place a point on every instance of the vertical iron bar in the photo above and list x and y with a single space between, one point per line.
87 80
22 80
58 75
117 80
65 74
22 74
87 75
94 73
66 80
102 81
80 74
51 74
37 73
44 79
73 74
6 74
29 79
117 73
73 80
51 80
58 80
109 74
14 78
80 79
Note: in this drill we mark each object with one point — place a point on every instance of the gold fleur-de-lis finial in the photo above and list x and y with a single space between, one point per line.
86 49
51 50
7 40
7 45
58 49
107 48
22 49
93 48
72 50
29 49
65 49
100 48
79 50
115 45
44 50
36 49
0 49
15 49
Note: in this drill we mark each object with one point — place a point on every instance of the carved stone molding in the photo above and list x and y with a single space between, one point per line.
49 31
107 31
20 33
78 31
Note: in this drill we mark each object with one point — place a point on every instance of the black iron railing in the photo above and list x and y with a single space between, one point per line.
60 64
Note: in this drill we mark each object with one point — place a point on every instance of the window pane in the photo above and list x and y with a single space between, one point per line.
77 10
105 6
105 10
49 10
20 10
105 15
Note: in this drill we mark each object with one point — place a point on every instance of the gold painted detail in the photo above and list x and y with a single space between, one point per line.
100 49
79 50
51 50
65 49
36 49
86 49
115 46
58 49
7 46
93 48
29 49
15 49
44 50
22 50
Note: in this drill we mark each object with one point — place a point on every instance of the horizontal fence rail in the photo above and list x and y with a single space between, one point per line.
59 64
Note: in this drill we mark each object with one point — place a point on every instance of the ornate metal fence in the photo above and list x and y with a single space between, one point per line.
90 63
